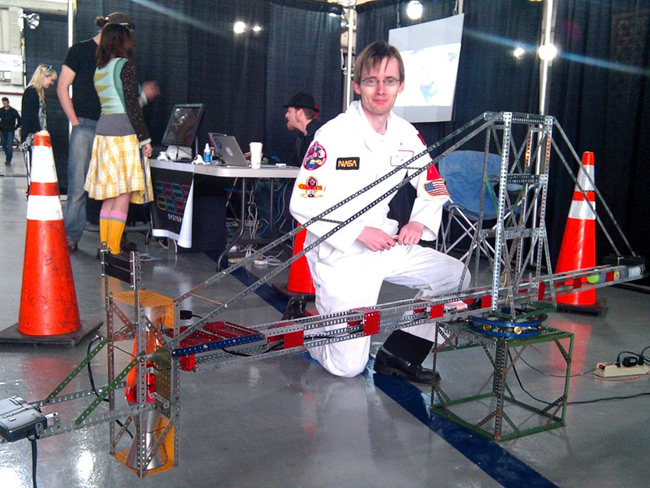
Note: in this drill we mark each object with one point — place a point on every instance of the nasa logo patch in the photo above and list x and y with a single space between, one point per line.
348 163
315 157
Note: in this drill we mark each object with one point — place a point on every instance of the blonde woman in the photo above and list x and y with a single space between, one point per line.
34 107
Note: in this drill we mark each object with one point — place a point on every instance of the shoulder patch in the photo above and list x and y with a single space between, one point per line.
315 158
436 187
310 188
348 163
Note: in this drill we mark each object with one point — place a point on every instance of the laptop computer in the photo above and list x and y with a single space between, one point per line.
227 148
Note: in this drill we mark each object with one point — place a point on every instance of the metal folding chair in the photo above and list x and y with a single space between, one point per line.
466 175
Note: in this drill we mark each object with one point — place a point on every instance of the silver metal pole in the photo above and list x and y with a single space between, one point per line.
71 14
352 45
548 22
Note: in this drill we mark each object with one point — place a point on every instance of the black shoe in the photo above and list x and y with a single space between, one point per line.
388 363
128 246
296 308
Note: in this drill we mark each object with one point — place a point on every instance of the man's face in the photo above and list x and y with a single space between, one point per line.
5 103
379 100
292 118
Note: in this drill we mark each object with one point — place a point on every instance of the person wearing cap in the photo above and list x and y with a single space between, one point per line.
357 148
302 116
83 110
119 172
9 122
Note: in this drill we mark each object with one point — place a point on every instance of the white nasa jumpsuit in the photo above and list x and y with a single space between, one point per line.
345 156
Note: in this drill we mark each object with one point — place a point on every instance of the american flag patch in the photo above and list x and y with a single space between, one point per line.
436 187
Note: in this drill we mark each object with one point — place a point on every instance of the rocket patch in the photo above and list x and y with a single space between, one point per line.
436 188
315 158
310 188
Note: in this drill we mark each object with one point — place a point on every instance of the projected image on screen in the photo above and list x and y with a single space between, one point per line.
431 52
428 81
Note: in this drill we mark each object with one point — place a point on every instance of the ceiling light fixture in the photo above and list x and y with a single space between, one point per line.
414 10
547 52
518 52
33 20
239 27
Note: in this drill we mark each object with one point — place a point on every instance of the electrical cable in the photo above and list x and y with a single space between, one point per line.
34 460
596 400
514 369
91 378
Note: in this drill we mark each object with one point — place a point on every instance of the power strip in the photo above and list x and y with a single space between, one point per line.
609 370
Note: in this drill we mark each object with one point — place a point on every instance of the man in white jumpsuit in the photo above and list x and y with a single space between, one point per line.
348 153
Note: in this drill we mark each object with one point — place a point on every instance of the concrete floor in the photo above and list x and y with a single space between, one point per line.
284 422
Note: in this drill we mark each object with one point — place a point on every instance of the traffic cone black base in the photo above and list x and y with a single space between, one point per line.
595 309
11 336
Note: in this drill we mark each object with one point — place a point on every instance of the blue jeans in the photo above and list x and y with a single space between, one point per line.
79 153
7 138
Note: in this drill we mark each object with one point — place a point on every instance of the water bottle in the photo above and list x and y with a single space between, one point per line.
207 154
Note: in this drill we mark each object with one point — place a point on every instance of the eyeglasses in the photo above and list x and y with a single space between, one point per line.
373 82
48 69
128 25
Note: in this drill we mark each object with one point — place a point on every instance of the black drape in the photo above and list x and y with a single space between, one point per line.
305 57
598 85
599 93
42 47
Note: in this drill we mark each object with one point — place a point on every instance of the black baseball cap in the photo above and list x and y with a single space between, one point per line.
303 100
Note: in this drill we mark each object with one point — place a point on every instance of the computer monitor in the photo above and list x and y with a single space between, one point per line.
181 130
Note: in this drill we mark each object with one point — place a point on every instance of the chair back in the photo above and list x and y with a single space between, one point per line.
463 174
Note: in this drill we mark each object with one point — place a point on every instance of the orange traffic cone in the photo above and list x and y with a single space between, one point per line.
578 249
299 274
48 303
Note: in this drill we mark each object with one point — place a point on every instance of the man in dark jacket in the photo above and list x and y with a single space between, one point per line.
9 122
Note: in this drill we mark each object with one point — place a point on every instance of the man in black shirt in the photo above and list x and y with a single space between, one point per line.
302 116
83 111
9 122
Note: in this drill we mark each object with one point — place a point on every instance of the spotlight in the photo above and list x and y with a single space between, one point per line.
257 28
33 20
547 52
239 27
414 10
518 52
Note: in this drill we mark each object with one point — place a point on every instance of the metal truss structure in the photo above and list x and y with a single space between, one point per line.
521 277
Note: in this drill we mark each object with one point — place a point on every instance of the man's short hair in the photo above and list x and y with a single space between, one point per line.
309 113
5 99
373 55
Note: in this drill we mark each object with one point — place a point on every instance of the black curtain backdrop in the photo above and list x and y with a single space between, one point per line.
598 84
600 95
305 57
40 49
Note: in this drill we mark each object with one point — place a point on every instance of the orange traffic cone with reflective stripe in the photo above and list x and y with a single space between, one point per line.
48 302
578 249
299 274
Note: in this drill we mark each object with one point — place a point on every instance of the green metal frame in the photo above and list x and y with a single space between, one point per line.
498 424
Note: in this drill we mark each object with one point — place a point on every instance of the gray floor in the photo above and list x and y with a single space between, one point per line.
284 422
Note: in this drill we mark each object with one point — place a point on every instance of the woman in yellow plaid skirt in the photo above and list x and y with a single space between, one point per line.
119 167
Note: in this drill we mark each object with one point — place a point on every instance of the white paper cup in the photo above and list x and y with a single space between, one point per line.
256 155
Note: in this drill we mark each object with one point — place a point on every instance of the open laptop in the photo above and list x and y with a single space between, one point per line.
227 148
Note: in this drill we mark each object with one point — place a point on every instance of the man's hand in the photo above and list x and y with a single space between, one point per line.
375 239
411 233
